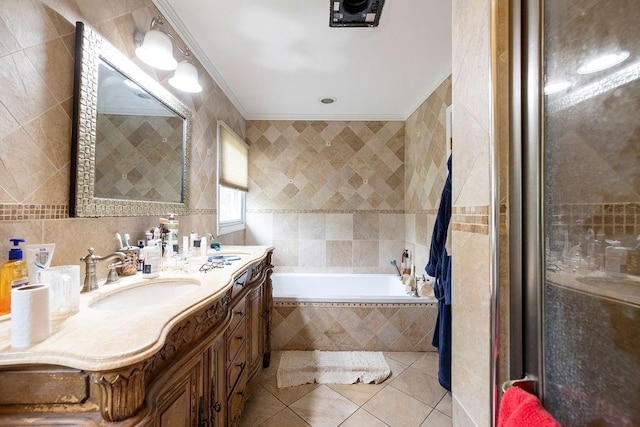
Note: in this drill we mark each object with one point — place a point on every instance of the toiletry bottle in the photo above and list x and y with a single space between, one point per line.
615 259
403 259
407 264
13 274
152 259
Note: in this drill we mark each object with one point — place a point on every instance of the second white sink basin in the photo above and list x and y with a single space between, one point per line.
145 294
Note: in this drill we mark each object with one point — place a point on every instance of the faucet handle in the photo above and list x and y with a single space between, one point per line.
112 277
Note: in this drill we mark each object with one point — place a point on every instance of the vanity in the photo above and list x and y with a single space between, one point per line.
191 360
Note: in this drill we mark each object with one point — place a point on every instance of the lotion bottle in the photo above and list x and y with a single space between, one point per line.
13 274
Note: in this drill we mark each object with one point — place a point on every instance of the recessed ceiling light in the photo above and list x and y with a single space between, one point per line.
603 62
328 100
556 87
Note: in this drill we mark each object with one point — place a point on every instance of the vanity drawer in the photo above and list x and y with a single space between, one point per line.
236 400
236 339
238 313
236 368
238 284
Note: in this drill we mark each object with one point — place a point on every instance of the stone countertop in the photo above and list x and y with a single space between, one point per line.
623 288
100 340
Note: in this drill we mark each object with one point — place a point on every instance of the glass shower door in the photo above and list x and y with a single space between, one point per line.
590 192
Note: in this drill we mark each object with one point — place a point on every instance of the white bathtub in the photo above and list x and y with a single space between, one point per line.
360 288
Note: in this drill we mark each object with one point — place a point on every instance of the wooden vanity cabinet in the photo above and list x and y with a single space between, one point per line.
202 376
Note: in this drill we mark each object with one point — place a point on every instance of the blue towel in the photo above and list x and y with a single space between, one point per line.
439 266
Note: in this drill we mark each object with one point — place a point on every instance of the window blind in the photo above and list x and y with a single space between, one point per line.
233 159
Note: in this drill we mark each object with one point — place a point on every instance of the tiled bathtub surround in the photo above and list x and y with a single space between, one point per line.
347 196
353 326
308 165
335 242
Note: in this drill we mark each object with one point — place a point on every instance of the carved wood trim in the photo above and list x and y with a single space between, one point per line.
188 332
122 392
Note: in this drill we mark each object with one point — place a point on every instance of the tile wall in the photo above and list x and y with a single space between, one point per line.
36 98
425 170
471 282
328 195
347 196
353 326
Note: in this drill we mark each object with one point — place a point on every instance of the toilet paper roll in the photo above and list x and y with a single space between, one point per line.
30 321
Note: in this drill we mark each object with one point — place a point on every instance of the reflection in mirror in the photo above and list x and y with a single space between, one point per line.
131 137
138 142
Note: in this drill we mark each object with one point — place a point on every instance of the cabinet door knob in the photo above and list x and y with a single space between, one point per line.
241 392
239 337
215 405
239 313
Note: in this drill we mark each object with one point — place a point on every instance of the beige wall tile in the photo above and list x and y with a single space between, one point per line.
365 253
286 226
339 226
52 60
27 21
22 161
23 92
312 226
339 253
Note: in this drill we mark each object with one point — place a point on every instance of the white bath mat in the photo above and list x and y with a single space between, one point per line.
331 367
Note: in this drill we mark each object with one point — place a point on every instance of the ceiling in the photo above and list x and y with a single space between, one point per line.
275 59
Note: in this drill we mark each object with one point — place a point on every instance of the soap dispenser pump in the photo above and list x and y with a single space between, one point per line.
13 274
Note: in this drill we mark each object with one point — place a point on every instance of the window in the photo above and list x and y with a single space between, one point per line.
233 180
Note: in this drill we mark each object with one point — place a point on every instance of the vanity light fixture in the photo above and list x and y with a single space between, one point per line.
603 62
156 50
185 78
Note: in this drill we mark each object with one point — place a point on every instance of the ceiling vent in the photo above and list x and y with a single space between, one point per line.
355 13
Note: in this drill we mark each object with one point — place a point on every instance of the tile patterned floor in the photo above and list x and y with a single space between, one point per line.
411 396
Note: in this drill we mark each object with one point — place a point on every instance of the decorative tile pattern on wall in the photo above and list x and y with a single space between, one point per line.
309 165
353 326
425 145
425 170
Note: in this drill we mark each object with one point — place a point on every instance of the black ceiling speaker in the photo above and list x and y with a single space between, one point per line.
355 6
355 13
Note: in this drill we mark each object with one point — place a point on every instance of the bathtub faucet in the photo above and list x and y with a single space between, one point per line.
395 264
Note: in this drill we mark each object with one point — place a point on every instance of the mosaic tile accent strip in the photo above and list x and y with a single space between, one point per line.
17 212
353 327
612 219
471 219
326 165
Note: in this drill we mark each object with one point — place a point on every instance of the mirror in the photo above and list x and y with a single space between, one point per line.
130 140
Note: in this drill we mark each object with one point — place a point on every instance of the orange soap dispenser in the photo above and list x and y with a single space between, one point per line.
13 274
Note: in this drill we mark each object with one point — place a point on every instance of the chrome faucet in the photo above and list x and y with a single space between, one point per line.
90 274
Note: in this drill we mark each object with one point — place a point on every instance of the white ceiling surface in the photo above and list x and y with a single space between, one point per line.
275 59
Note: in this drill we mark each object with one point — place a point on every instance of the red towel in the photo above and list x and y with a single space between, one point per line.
521 409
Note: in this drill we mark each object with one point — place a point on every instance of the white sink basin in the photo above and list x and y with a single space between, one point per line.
144 294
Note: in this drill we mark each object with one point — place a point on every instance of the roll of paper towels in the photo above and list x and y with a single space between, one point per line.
30 322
